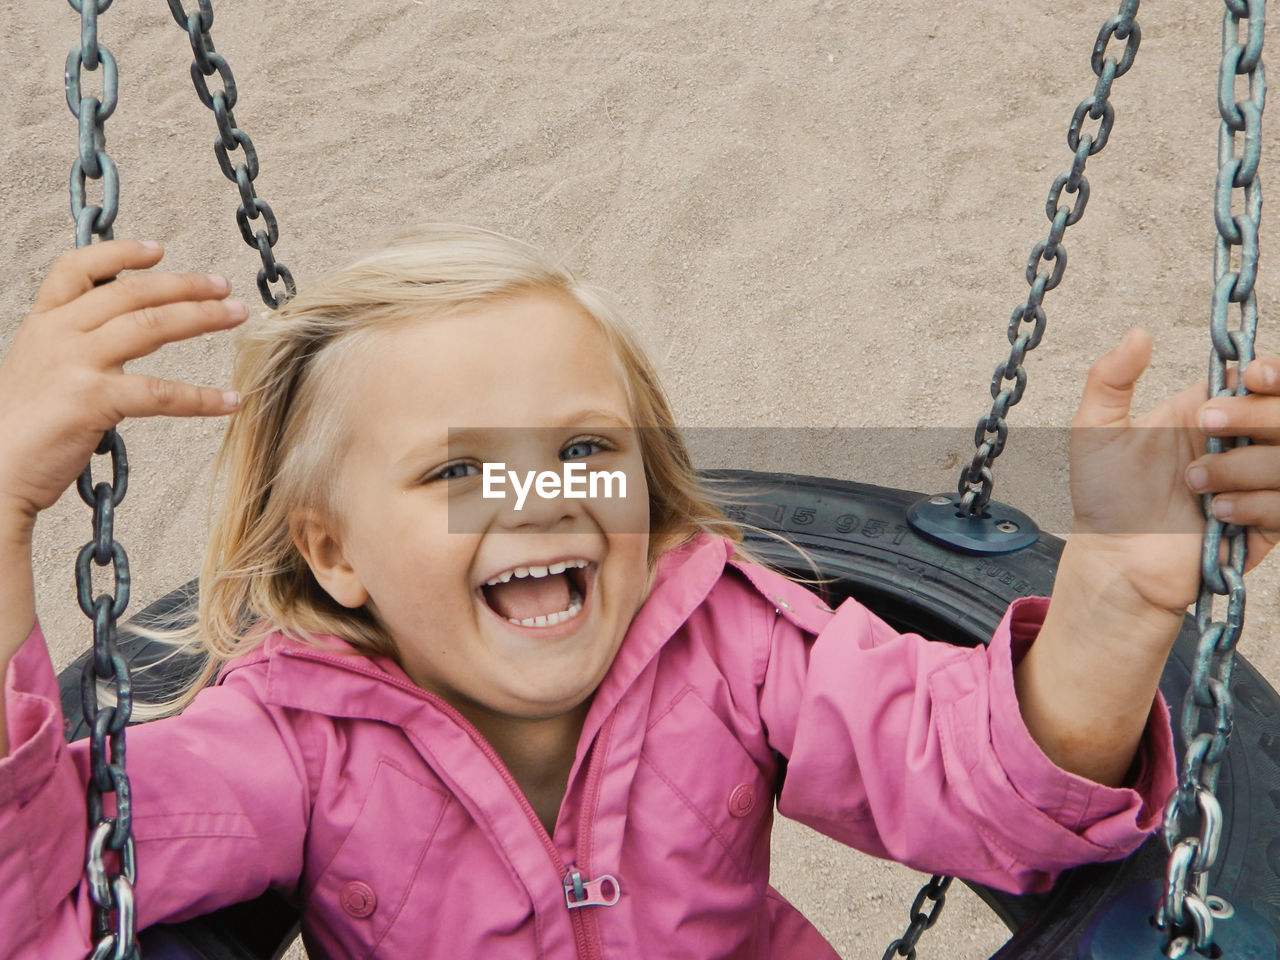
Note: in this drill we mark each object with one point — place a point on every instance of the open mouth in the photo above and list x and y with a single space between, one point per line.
539 596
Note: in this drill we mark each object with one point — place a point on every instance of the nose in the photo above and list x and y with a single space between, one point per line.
535 501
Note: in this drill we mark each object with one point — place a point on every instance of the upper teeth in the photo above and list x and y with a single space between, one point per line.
536 571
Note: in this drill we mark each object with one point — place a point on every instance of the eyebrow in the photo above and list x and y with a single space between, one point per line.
603 418
581 418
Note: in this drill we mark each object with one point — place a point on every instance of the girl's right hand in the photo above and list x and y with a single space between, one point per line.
63 383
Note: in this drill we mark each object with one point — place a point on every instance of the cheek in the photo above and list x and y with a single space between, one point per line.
627 515
623 518
414 568
629 537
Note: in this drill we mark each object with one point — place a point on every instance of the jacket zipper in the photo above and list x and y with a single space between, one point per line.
598 890
584 932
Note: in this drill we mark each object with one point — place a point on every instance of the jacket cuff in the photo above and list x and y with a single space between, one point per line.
1096 812
33 720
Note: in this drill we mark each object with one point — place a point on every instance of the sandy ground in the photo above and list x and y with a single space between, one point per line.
817 213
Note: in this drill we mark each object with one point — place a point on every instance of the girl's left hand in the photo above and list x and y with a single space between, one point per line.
1140 480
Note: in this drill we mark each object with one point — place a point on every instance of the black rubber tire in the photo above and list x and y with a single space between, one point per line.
859 537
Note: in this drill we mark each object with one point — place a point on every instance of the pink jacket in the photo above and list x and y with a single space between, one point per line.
386 817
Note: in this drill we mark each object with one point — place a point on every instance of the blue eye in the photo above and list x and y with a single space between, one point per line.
455 471
581 449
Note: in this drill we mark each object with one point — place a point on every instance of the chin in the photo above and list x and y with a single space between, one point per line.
549 706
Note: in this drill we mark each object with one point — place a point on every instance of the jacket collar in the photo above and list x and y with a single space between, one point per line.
317 677
684 578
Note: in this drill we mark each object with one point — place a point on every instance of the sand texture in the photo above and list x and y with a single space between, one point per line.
817 213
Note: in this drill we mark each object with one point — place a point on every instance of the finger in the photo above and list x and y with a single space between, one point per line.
144 331
142 396
1243 468
1262 376
1255 508
1231 377
139 291
1263 379
76 271
1108 391
1256 416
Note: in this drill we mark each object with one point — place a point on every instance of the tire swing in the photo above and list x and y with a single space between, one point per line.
945 566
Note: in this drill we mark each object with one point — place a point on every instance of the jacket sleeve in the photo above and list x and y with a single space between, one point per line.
916 751
220 803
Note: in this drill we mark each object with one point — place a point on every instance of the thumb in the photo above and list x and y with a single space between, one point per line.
1108 391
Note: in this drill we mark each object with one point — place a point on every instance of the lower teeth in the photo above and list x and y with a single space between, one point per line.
550 619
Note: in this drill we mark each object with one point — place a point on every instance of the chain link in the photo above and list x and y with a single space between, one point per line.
110 889
1193 816
1048 260
935 894
206 63
92 162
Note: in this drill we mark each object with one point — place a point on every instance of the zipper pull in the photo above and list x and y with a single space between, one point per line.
579 892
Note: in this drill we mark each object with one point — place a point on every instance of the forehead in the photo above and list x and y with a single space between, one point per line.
532 359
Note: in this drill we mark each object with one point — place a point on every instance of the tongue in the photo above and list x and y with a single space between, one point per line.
521 599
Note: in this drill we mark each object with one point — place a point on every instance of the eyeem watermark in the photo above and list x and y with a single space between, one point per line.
575 483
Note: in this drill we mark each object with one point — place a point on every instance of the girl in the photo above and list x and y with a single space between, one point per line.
458 724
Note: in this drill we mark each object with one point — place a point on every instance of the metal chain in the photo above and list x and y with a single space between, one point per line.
934 892
92 163
1026 326
230 137
110 888
1193 816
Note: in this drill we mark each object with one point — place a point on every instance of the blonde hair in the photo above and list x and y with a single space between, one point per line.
279 453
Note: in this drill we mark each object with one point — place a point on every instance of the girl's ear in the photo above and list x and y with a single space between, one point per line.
321 547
